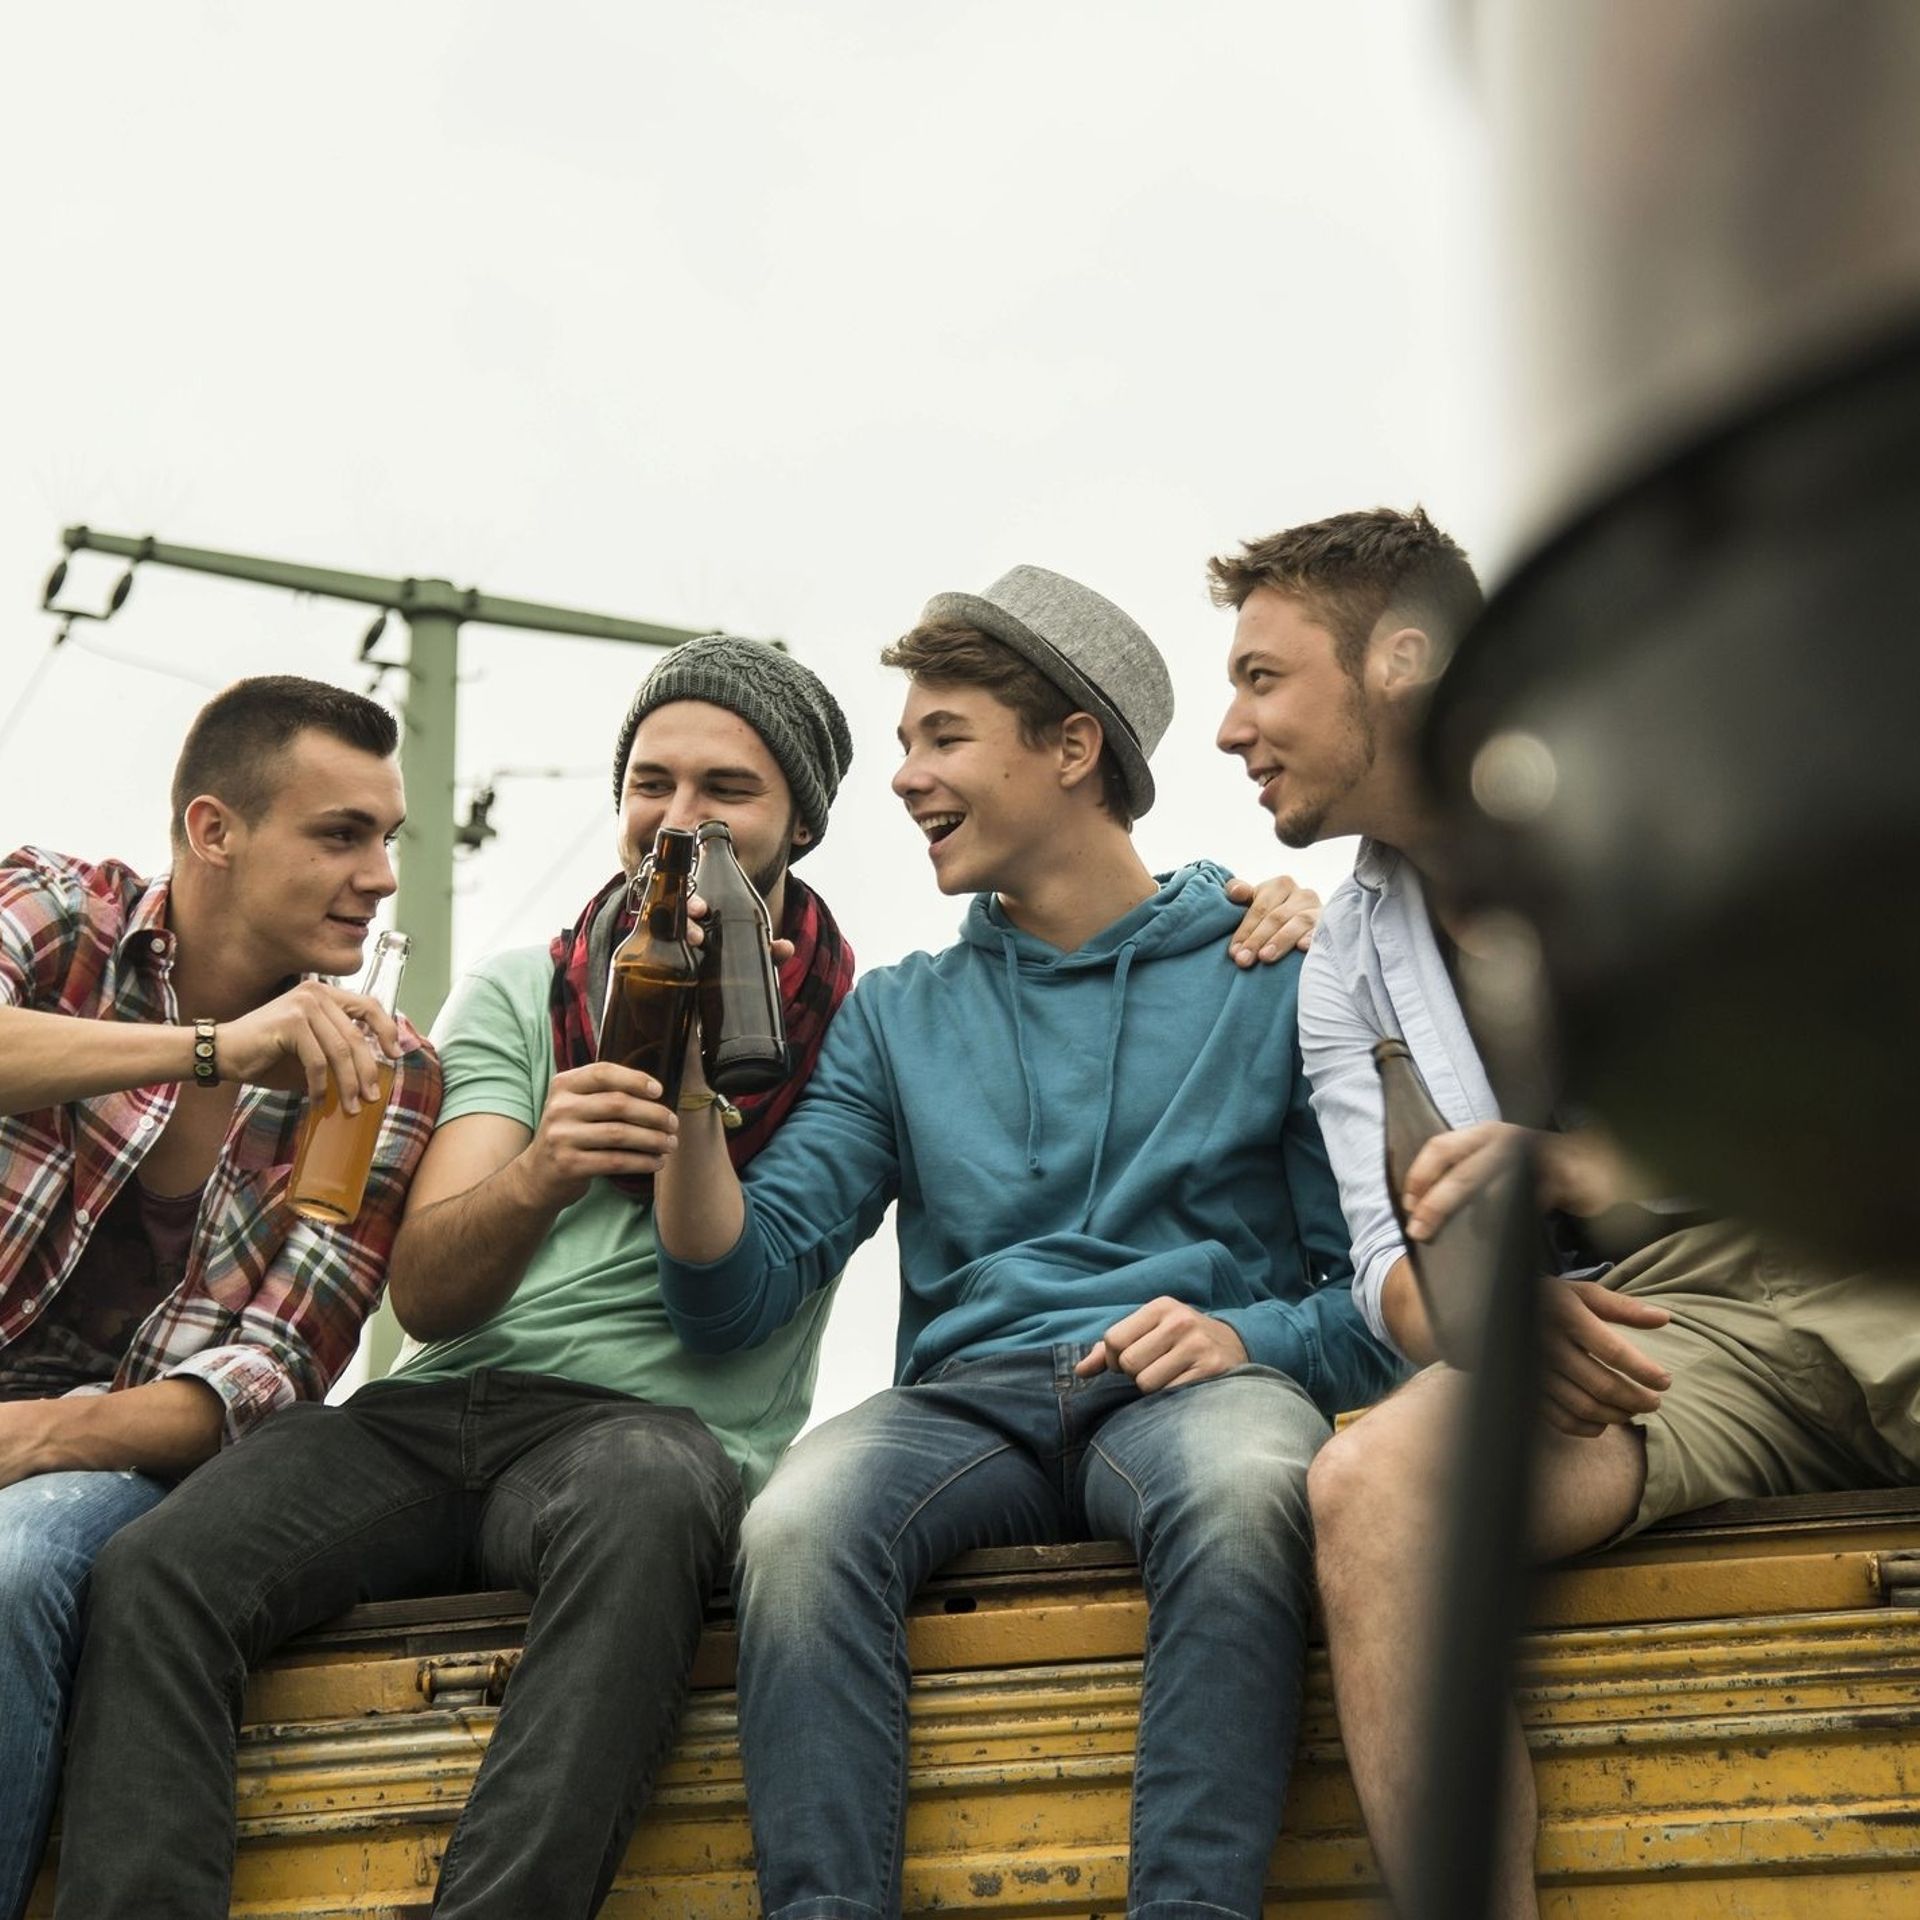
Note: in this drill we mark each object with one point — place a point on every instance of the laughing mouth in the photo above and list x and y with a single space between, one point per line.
936 826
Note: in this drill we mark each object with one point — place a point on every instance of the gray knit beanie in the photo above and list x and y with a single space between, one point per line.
786 704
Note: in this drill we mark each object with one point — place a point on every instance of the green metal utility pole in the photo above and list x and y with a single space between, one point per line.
435 611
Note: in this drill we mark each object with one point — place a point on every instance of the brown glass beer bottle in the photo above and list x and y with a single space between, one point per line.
335 1154
743 1041
1412 1118
652 977
1452 1270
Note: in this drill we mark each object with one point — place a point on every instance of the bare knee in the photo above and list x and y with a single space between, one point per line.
1336 1485
1347 1496
1373 1488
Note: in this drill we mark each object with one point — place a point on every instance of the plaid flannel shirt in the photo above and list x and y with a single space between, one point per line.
271 1305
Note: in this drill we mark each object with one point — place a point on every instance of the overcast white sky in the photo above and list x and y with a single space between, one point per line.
777 317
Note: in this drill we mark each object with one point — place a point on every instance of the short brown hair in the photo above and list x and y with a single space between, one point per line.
236 738
949 653
1351 569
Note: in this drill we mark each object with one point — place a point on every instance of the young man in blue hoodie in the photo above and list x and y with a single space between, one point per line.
1125 1307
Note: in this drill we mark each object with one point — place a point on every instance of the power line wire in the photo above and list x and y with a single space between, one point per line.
146 666
26 693
556 870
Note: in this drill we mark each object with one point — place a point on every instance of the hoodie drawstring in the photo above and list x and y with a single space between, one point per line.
1116 1017
1020 1048
1116 1004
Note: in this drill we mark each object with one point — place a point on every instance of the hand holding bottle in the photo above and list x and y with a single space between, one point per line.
697 910
312 1038
342 1127
598 1121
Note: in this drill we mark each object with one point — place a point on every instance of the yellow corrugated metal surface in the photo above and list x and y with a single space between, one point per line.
1750 1752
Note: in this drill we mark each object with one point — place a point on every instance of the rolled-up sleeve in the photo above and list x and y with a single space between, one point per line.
1336 1042
301 1325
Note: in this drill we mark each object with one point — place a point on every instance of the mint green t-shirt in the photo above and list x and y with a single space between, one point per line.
588 1307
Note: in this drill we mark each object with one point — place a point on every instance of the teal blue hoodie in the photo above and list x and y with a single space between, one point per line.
1069 1135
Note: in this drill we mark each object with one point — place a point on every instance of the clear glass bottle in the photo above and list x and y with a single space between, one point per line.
335 1154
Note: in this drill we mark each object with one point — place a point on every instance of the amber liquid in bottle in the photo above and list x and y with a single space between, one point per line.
335 1154
743 1042
652 978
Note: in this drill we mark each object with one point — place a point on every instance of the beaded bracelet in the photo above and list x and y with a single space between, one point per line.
206 1070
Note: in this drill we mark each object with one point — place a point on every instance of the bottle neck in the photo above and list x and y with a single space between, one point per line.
383 976
664 914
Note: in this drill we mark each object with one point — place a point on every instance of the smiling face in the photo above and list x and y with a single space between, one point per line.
305 877
1299 720
691 761
985 797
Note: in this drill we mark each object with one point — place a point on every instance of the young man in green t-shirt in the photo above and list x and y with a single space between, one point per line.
544 1430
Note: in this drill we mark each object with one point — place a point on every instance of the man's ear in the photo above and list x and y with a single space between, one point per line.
802 834
1081 738
1409 661
212 828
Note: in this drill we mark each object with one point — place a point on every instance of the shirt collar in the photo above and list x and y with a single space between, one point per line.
146 933
1375 865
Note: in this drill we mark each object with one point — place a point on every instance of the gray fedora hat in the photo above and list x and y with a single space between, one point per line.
1092 651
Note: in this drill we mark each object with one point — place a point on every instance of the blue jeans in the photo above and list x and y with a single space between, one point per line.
1209 1484
614 1514
51 1526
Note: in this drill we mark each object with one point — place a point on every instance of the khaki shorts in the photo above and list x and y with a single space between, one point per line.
1785 1379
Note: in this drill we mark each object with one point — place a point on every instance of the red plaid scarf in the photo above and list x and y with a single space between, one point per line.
812 985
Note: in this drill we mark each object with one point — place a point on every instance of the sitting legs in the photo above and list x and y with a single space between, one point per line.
615 1514
52 1526
1379 1493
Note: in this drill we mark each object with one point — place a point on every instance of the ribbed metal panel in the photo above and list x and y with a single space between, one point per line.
1752 1750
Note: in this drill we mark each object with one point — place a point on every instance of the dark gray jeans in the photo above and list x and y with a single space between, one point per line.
616 1515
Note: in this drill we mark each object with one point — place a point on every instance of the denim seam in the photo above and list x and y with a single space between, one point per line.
826 1907
309 1553
933 1493
897 1785
46 1750
727 1512
1181 1910
897 1654
1146 1658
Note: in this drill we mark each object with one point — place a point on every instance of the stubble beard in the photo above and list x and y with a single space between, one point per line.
1305 824
768 877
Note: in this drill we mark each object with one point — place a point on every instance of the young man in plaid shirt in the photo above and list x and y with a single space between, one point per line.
545 1429
158 1047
